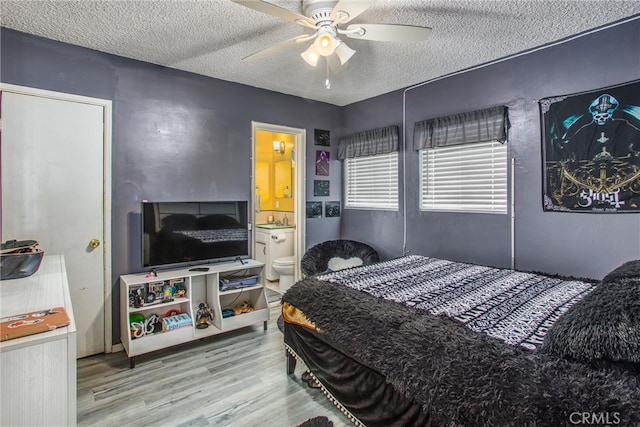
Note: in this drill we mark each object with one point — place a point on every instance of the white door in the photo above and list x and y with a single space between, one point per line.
52 192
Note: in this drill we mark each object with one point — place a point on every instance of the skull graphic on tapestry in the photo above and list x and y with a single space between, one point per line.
591 150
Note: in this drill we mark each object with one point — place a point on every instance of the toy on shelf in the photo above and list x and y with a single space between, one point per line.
140 326
153 324
175 322
136 296
179 288
168 292
172 312
155 293
245 307
136 325
203 316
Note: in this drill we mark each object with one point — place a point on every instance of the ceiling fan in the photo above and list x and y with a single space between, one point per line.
327 18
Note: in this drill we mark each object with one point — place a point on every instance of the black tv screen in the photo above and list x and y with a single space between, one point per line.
188 233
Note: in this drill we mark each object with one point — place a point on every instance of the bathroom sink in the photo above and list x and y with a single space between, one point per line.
273 226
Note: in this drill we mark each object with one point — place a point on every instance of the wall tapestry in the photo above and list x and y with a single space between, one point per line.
591 150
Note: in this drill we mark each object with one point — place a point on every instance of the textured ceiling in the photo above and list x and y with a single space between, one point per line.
210 37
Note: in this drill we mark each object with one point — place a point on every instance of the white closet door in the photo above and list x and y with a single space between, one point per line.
52 191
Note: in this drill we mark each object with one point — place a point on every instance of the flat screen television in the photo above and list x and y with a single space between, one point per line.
176 234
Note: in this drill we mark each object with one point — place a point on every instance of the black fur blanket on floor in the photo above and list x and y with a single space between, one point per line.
464 378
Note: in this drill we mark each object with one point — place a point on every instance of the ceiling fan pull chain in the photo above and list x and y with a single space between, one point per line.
327 83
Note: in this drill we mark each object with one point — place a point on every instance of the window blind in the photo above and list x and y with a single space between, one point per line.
371 182
468 178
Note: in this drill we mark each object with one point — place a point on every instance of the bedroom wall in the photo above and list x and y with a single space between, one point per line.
176 135
586 245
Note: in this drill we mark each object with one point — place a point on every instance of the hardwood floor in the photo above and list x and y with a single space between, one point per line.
234 379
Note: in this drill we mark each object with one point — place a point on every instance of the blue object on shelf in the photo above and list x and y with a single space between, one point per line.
237 282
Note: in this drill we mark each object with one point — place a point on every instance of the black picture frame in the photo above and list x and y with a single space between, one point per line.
314 210
332 209
321 188
322 137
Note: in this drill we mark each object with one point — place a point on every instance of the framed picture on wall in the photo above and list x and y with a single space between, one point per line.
322 163
314 209
320 188
332 209
322 137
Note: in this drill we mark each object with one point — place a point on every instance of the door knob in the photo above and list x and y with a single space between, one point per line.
94 243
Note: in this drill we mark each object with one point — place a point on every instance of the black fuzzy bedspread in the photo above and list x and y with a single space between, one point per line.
465 378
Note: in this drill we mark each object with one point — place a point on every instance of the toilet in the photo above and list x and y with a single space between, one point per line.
284 267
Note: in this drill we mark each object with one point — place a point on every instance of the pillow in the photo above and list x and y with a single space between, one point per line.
337 263
604 325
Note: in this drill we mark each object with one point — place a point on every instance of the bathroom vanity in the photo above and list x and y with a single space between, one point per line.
273 241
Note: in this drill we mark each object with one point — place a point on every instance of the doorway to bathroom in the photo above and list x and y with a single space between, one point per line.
278 205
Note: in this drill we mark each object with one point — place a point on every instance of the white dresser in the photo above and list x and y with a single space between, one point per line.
38 373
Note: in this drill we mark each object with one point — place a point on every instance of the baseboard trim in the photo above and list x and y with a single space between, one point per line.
117 347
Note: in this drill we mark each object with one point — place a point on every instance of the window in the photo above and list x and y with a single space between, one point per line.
465 178
371 182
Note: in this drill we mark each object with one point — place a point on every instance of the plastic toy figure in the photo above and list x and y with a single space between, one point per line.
203 316
135 298
168 293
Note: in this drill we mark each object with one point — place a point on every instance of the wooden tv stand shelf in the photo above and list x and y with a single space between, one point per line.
176 320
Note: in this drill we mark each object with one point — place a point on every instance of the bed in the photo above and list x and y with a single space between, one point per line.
423 341
185 238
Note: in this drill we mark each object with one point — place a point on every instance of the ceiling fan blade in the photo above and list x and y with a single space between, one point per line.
352 8
273 10
389 32
273 49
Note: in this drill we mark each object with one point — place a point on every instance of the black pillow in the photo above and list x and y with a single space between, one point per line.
605 325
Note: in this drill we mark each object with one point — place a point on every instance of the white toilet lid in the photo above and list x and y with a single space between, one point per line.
285 260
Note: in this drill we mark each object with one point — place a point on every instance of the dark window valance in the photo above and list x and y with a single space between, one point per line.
369 143
486 125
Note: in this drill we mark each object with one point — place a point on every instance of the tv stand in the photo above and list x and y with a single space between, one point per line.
176 314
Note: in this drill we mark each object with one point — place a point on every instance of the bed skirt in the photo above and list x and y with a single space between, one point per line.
359 391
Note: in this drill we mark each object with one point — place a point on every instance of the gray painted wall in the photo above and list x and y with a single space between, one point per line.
586 245
176 135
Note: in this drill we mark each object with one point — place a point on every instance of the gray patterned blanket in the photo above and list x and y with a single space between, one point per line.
514 306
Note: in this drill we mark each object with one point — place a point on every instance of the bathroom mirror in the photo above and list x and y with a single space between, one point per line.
283 186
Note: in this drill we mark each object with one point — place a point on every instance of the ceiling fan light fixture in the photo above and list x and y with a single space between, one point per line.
326 42
310 55
344 52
